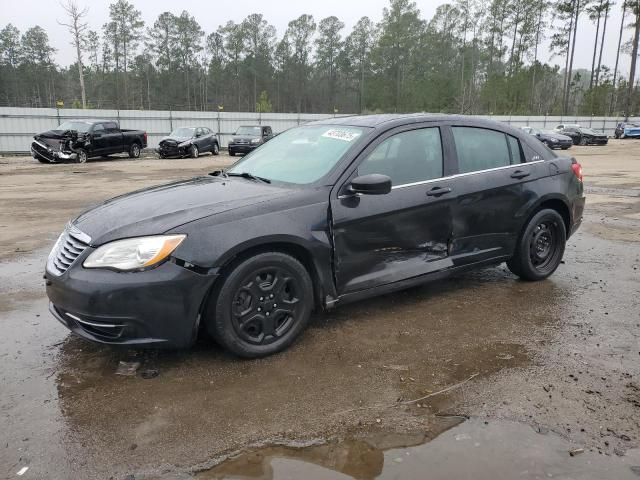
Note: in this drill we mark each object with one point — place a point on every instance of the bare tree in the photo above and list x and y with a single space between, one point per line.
614 95
77 28
634 6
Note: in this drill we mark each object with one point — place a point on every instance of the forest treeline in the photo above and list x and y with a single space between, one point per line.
471 57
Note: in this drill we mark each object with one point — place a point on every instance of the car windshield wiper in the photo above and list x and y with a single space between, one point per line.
248 175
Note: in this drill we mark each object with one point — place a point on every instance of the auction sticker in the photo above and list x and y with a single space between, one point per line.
345 135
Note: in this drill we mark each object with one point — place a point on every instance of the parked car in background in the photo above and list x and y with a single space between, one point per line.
585 136
627 130
79 140
188 142
550 138
326 213
563 126
249 137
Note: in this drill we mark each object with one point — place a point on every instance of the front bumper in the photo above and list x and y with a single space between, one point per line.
598 141
172 151
562 144
158 307
242 147
40 150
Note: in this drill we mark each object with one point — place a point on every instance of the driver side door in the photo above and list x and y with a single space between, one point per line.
382 239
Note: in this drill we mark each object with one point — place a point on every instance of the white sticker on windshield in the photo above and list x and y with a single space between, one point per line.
345 135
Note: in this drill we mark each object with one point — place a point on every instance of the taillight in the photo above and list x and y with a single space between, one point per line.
577 170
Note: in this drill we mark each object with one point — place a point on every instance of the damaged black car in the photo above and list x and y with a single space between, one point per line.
324 214
79 140
188 142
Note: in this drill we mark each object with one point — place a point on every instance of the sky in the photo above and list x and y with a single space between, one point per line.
210 14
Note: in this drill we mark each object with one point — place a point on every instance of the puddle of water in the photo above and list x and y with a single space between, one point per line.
476 450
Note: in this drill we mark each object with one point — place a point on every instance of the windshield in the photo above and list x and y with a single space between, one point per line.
78 126
301 155
255 131
183 132
589 130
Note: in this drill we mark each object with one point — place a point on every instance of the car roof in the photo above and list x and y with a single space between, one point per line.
391 119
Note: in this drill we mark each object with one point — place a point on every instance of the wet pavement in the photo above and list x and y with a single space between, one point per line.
561 357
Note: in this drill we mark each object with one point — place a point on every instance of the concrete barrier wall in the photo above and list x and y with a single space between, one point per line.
18 125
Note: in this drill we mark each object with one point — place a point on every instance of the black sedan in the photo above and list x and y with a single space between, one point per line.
585 136
549 138
188 142
324 214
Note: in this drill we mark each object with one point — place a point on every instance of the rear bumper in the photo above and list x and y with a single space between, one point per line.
158 307
576 214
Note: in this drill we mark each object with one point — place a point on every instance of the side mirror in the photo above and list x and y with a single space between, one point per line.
372 184
537 134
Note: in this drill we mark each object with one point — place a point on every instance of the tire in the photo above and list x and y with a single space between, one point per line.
216 149
193 151
82 156
276 293
566 148
232 153
540 247
134 150
583 141
42 160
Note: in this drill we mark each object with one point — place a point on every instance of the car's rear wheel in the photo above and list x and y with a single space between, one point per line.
134 151
194 152
540 247
216 149
263 305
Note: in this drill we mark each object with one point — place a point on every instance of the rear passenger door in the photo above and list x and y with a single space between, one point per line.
492 195
115 141
99 139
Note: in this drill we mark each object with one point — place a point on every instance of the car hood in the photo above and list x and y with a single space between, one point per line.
555 136
155 210
175 139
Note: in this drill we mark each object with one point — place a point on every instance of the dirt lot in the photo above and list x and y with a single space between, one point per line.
561 356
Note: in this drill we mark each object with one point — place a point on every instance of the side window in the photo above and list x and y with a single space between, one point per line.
516 151
480 149
98 128
112 127
407 157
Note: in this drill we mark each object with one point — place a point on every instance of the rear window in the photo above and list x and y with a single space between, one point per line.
482 149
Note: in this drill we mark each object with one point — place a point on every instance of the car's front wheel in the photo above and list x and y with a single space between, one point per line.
194 152
81 156
540 247
584 141
263 305
216 149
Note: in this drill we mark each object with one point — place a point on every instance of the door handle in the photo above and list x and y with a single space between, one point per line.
437 191
520 174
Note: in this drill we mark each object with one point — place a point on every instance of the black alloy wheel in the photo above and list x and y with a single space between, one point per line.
262 306
216 149
541 246
583 141
194 152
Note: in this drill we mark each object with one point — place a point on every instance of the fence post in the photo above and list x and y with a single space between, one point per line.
58 114
170 120
218 134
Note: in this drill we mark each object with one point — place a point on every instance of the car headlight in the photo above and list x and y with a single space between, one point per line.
255 140
554 140
185 144
134 253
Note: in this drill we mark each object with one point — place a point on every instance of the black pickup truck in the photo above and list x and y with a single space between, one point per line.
79 140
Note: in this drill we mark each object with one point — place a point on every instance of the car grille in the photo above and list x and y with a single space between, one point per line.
67 249
241 141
